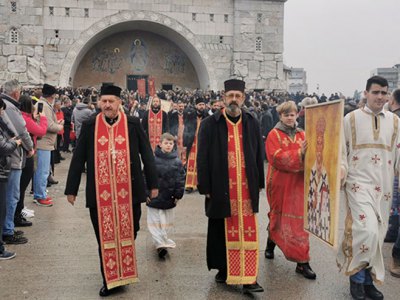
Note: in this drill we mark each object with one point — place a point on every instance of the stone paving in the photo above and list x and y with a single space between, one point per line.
60 260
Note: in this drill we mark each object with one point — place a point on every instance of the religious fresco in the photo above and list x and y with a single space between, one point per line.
139 55
322 170
136 53
106 60
174 63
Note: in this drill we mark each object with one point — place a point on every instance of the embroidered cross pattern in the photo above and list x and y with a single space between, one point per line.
378 189
387 196
376 159
355 158
286 142
233 231
249 231
355 188
362 217
103 140
364 248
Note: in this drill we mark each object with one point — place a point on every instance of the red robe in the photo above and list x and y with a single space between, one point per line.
285 193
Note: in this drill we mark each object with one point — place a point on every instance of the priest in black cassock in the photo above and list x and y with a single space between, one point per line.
230 172
112 145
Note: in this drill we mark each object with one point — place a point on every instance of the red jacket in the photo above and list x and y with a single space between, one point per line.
34 128
60 116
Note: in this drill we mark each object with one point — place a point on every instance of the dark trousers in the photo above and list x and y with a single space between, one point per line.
3 190
216 246
26 177
66 140
137 212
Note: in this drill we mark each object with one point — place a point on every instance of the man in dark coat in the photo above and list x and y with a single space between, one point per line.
151 122
192 119
85 153
231 187
67 111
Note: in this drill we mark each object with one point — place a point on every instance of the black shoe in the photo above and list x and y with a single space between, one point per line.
390 238
269 251
18 232
252 288
51 180
48 184
305 270
357 290
22 222
14 239
162 252
104 291
372 292
221 276
6 255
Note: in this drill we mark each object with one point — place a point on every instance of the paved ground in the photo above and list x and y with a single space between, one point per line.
60 260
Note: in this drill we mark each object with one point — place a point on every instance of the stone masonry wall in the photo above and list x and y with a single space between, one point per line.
227 29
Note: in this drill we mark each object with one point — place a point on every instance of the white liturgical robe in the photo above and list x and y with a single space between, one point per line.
370 158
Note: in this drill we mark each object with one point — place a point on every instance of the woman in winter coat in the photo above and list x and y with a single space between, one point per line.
36 124
7 146
171 183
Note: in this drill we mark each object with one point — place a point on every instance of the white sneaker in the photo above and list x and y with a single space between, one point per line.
30 210
27 214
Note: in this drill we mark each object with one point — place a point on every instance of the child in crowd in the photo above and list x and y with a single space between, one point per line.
171 181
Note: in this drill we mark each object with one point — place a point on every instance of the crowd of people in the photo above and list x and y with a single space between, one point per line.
151 150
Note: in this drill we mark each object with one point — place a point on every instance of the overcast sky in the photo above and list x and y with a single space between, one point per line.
339 42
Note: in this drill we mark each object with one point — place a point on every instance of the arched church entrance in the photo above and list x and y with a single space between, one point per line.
136 45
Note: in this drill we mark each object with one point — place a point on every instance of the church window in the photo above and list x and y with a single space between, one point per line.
194 17
67 11
51 10
258 44
14 36
259 18
86 12
14 6
211 17
226 18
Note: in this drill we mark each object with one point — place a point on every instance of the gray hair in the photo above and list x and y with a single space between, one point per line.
12 86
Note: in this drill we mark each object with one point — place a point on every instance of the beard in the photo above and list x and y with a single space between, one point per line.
155 109
233 107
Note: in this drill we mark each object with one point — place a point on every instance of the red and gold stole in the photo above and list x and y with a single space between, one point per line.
155 127
191 173
114 201
181 150
241 232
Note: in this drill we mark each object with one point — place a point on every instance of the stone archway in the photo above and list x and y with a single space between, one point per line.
144 20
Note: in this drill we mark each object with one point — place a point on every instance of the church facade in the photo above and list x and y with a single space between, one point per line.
179 43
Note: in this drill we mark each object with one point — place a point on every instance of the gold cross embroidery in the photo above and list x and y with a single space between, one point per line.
249 231
286 142
233 231
231 183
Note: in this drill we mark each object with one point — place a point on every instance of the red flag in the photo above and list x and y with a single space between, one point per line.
141 84
152 86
